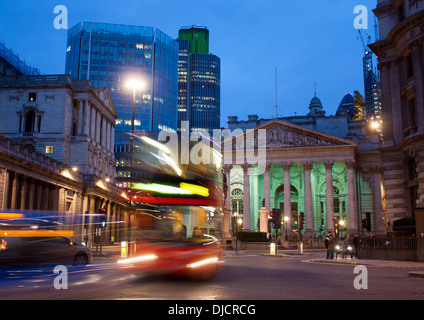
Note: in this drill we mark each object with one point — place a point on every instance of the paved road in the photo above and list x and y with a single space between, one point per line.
244 277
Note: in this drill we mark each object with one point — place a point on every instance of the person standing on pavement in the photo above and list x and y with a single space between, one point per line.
327 243
331 247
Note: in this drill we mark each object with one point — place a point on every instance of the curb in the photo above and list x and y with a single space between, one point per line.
337 262
416 274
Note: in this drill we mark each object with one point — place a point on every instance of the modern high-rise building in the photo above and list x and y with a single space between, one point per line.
199 81
111 54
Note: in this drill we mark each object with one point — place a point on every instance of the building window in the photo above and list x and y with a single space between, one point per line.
401 12
32 96
412 168
412 112
74 128
49 149
29 122
409 66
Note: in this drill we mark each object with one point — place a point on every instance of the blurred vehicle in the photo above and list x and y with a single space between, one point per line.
177 212
344 250
27 241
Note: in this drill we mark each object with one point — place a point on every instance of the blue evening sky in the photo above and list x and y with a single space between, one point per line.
308 41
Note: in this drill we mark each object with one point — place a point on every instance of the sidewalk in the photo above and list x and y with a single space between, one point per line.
114 253
376 263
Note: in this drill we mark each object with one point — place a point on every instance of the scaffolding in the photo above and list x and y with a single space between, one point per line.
13 58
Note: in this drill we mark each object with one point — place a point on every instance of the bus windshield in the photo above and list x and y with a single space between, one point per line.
174 201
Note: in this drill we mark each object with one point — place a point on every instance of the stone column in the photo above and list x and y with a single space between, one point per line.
351 196
97 127
246 198
5 194
376 173
287 195
227 207
15 186
23 193
417 52
93 122
109 222
31 199
396 108
329 195
103 133
87 116
386 102
80 117
267 187
309 222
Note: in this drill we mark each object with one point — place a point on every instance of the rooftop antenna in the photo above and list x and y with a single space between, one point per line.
315 89
276 96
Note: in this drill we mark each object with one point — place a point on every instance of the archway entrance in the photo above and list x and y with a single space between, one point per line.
279 203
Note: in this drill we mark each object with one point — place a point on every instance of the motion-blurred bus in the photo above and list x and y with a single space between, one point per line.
177 210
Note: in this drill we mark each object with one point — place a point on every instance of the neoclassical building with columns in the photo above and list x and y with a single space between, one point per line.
328 177
400 52
56 151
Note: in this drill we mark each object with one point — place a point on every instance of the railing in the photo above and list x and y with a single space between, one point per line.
51 80
391 247
19 151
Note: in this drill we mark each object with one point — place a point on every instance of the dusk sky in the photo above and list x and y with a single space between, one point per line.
308 41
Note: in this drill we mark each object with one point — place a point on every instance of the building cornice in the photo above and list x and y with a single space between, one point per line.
395 35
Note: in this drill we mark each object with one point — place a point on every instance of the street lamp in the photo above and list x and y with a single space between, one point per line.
134 84
341 226
285 225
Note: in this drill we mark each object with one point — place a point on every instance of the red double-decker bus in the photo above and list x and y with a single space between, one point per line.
177 212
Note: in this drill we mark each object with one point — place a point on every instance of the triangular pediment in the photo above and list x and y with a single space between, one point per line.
281 134
103 95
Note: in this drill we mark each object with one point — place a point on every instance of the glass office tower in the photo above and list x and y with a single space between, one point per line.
199 81
110 54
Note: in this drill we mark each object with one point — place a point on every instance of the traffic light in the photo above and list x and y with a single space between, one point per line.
102 210
301 220
271 217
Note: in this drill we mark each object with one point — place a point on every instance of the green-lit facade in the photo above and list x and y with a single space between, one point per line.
199 82
198 37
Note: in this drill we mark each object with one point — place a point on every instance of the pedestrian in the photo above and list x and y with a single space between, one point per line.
331 248
329 239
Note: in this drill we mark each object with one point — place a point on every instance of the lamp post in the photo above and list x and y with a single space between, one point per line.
134 84
285 225
341 226
239 223
236 236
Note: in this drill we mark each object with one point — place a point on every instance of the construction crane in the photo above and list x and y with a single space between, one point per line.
366 49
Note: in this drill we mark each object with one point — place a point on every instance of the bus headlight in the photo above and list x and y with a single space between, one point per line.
202 263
